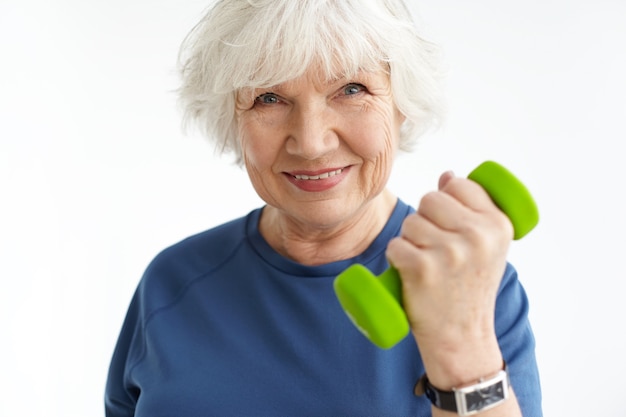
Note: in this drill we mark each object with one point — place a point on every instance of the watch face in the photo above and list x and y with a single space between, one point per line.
484 397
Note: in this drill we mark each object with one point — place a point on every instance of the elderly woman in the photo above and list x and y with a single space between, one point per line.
316 98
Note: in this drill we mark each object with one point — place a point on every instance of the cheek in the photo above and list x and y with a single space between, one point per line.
256 148
378 139
257 160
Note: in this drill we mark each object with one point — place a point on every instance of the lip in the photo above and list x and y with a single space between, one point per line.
317 180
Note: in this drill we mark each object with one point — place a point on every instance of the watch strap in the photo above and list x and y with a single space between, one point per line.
447 400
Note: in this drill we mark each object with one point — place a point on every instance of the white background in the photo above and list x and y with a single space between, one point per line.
96 177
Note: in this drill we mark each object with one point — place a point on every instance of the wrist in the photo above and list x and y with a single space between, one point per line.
461 365
482 395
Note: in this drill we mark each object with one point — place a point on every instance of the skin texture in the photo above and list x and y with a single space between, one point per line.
310 126
450 255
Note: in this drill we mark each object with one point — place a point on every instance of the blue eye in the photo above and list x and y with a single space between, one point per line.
352 89
267 98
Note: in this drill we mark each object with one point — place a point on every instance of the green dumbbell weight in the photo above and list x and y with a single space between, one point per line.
374 303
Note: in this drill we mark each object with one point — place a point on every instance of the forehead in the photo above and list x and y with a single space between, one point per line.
320 79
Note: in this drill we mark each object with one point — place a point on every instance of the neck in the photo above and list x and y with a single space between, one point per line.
316 245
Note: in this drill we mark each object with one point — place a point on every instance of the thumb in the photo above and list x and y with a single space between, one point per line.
445 178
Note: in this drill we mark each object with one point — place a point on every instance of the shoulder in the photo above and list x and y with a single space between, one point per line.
178 266
205 248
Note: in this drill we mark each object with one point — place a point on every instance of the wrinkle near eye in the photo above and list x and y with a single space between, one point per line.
244 99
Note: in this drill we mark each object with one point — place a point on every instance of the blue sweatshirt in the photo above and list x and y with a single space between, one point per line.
222 325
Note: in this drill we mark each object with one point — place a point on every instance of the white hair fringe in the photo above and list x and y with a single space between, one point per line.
247 44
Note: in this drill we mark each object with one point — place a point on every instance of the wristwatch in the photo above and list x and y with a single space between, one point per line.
469 400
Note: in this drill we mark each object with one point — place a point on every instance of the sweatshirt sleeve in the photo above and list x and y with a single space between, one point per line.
517 343
120 395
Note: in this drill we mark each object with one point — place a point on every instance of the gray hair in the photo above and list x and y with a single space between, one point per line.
247 44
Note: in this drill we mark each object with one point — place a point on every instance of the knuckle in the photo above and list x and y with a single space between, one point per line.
474 230
455 254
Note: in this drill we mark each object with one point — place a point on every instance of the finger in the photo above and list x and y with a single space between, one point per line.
444 178
408 259
444 211
468 193
423 232
463 207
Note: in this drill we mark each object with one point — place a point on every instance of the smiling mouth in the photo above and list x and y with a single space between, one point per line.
323 176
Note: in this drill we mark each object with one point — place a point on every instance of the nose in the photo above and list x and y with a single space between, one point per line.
312 131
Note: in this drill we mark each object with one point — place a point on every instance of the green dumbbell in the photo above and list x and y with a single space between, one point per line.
374 304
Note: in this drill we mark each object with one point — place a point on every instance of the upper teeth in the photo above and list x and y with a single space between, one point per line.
319 177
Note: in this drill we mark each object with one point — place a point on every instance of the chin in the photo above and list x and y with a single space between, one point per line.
324 214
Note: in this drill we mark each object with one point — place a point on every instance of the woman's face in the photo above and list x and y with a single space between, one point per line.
317 151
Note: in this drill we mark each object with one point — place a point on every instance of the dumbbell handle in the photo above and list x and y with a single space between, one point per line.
363 298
